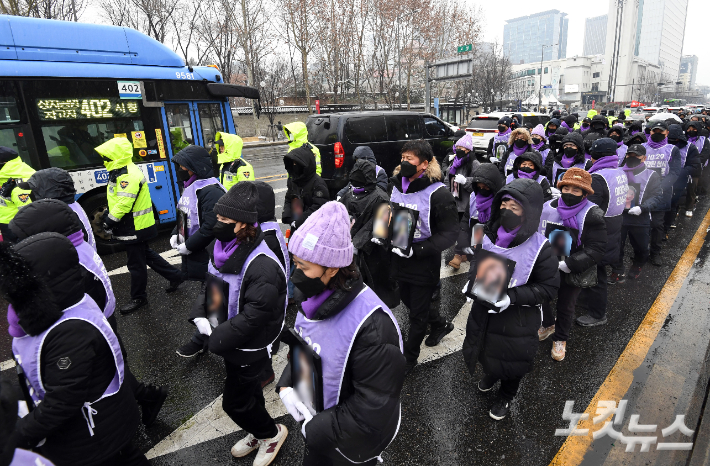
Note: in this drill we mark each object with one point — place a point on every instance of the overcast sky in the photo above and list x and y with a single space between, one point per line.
696 26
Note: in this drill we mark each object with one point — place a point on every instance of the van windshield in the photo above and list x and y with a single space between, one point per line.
484 123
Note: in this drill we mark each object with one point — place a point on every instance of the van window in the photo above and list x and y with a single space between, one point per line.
366 129
404 127
322 130
533 120
434 127
484 123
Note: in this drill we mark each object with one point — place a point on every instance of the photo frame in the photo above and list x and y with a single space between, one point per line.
382 221
632 196
501 149
181 226
216 300
306 371
490 276
403 227
477 234
560 239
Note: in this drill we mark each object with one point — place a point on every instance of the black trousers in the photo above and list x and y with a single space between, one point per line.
657 232
421 312
691 193
139 256
243 399
332 458
464 239
638 237
129 455
596 297
566 300
508 388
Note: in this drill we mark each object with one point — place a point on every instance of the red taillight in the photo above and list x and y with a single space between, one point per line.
339 155
21 134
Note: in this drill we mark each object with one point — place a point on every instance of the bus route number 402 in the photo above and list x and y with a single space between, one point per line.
129 90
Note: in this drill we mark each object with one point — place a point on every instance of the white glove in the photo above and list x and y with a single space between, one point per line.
290 399
303 427
182 249
293 225
563 267
174 241
468 251
501 305
556 193
493 159
460 179
401 254
203 325
451 157
465 287
635 210
377 241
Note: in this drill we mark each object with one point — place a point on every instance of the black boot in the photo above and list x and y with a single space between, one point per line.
133 306
150 398
174 285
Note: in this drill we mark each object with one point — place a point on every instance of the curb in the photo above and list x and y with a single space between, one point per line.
264 144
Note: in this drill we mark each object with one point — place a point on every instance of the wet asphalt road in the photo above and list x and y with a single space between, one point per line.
444 417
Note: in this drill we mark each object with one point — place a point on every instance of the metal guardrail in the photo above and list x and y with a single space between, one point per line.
328 108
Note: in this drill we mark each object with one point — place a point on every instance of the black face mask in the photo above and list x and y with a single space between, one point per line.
183 175
408 170
570 152
484 192
585 126
632 162
615 137
647 131
502 128
658 137
571 200
691 134
509 220
536 141
526 169
519 143
551 130
460 153
224 231
307 285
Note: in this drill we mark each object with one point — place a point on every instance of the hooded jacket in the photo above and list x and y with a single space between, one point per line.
705 149
692 166
536 159
596 120
232 167
266 212
423 268
469 165
489 175
297 136
48 265
510 153
198 160
130 209
12 171
365 153
303 186
574 138
367 416
506 343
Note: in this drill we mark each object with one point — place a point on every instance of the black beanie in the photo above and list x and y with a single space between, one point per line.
239 203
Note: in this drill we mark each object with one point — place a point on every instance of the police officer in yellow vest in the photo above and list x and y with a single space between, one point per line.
130 220
297 135
12 171
232 167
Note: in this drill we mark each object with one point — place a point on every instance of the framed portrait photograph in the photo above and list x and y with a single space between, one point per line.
632 196
477 234
306 372
500 151
216 300
181 226
489 279
402 228
381 224
560 239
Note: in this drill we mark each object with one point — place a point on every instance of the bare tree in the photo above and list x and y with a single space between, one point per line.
187 39
152 17
301 24
17 7
67 10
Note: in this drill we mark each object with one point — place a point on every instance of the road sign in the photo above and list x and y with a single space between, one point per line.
464 48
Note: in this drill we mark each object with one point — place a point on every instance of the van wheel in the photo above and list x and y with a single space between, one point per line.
95 206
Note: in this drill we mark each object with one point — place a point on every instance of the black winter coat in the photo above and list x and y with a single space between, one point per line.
305 186
424 267
261 307
506 343
613 224
668 181
652 199
365 420
592 249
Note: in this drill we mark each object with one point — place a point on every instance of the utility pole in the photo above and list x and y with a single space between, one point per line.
539 92
427 89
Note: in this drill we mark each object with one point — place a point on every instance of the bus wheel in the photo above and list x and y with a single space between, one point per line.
95 207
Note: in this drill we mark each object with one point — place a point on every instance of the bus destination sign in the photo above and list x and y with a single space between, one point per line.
84 109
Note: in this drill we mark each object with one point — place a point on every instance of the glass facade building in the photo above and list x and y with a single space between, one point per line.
660 29
524 37
595 35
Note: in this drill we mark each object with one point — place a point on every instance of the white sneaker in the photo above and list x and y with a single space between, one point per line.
688 213
269 448
245 446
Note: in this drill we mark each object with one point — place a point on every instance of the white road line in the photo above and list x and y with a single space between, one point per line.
171 255
280 190
5 365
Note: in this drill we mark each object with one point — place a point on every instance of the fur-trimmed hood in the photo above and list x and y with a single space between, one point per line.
518 132
433 171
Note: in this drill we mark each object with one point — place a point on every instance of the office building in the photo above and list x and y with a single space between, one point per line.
660 30
688 71
524 37
595 35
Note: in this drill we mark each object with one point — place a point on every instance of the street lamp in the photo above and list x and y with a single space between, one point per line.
539 92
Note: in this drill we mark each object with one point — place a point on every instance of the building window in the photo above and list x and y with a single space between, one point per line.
539 71
545 70
595 86
596 75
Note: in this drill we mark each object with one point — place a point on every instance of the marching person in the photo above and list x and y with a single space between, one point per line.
586 124
364 152
503 336
599 126
297 136
54 216
519 143
539 142
555 143
55 183
416 183
12 171
487 181
631 140
616 133
360 348
498 144
644 195
571 156
255 304
695 131
70 357
552 126
460 179
691 168
130 220
529 166
232 166
585 222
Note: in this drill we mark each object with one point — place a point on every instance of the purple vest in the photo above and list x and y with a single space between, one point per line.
28 351
659 158
642 178
274 226
544 154
621 152
91 261
29 458
524 255
378 170
472 209
235 285
511 178
189 207
556 166
85 221
700 144
509 163
551 215
421 202
618 186
333 338
683 154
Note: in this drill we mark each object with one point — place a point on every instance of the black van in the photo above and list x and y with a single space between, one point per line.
338 134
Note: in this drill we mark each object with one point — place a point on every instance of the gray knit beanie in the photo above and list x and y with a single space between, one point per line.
239 203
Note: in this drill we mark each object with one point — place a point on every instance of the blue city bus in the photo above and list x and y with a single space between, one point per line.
66 88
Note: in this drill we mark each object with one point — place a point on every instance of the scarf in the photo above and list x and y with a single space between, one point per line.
191 180
634 132
527 176
564 124
456 164
358 190
538 146
566 162
608 161
507 132
506 237
222 251
620 143
311 305
656 145
569 215
693 139
405 182
520 151
483 206
76 238
630 175
13 321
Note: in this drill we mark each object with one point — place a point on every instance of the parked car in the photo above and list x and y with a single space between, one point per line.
338 134
484 127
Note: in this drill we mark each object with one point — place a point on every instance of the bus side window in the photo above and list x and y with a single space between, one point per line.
211 122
